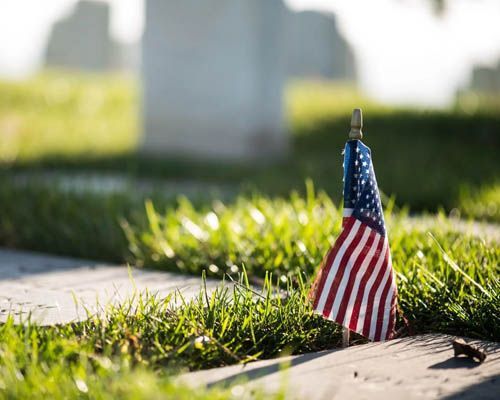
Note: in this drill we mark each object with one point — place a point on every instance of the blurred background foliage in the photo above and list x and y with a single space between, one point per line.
426 159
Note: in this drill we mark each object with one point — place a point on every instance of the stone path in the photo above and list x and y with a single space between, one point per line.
421 367
115 183
46 286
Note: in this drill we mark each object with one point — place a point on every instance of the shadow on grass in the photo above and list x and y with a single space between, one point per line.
423 158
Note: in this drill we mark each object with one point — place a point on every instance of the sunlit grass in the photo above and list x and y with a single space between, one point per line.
132 350
447 272
426 159
284 236
67 114
483 203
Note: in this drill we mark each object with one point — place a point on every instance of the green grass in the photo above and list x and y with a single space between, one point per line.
284 236
448 276
134 349
426 159
67 115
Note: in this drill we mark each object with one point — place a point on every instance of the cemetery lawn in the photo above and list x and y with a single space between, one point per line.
72 122
270 237
448 281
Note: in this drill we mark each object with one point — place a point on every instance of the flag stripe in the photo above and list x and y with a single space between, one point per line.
350 272
348 224
372 286
348 212
356 278
363 314
392 318
334 265
381 307
339 264
388 312
375 297
361 297
344 273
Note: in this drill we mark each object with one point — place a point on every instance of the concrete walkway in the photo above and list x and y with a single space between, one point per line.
421 367
46 287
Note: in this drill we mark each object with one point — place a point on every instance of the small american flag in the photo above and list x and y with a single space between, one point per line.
356 286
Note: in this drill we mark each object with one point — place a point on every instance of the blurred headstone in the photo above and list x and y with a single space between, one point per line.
315 47
82 39
125 56
486 79
213 74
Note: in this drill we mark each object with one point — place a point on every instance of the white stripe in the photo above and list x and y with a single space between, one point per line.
387 313
348 212
388 302
376 302
359 277
348 268
369 284
335 265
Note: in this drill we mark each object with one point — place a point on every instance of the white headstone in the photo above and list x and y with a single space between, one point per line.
213 74
486 79
315 47
82 39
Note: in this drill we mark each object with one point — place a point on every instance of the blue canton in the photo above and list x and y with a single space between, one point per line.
360 186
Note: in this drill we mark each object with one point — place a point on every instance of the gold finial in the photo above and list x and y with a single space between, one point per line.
356 124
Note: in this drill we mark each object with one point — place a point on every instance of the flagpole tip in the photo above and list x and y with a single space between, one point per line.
356 124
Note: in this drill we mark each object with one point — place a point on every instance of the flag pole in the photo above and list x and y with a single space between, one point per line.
356 124
354 134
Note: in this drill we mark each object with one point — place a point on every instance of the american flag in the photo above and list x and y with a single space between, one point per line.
356 286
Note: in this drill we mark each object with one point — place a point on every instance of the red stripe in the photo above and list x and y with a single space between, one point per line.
381 308
392 317
390 328
348 222
342 266
353 277
371 295
362 286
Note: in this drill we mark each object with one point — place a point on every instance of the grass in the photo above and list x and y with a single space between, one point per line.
426 159
283 236
68 115
273 234
132 350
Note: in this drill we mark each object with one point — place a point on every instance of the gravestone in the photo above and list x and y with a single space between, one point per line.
213 74
486 79
315 47
81 40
